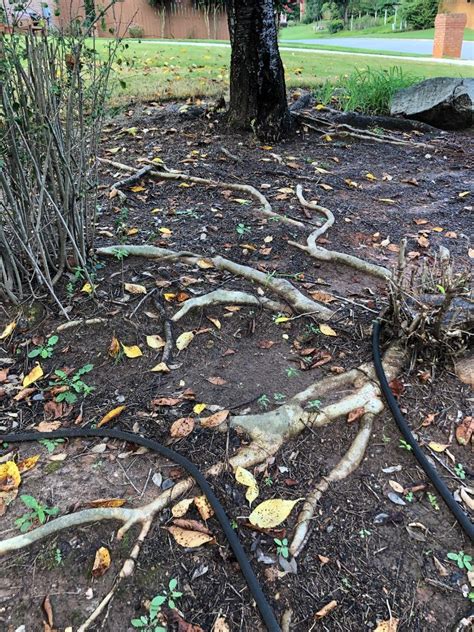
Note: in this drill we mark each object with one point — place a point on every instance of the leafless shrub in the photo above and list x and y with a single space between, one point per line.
53 90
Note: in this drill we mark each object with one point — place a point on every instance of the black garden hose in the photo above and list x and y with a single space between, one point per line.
266 611
430 471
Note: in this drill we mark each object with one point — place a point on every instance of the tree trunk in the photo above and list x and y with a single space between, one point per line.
257 80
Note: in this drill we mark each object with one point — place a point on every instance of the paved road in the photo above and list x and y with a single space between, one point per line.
320 51
410 46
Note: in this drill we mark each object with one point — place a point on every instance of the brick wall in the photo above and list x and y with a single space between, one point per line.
449 33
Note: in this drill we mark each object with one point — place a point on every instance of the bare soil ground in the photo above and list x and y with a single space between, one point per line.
364 551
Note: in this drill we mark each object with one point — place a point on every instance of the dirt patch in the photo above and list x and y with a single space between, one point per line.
363 553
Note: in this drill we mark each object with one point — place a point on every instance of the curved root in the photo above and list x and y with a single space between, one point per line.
166 174
346 466
283 288
227 297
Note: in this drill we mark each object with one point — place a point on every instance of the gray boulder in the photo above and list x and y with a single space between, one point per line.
443 102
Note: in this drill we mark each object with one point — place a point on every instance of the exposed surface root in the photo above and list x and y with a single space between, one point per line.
265 206
346 466
322 254
283 288
227 297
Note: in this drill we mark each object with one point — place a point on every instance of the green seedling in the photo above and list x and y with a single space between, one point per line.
291 372
39 513
404 445
242 230
410 497
268 481
46 350
263 401
463 560
120 253
433 501
51 444
78 275
75 385
282 547
364 533
314 404
460 471
150 623
279 397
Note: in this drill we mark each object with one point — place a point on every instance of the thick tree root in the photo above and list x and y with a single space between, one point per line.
165 174
281 287
346 466
227 297
322 254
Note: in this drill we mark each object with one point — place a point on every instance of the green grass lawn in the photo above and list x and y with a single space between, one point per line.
154 71
306 31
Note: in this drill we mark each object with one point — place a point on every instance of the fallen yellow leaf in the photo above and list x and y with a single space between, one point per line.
463 194
370 176
204 507
438 447
137 188
101 562
10 477
189 539
326 330
214 420
134 288
205 264
198 408
35 374
155 341
115 412
272 513
165 231
87 288
181 508
215 321
114 348
281 319
244 477
8 330
161 367
184 340
28 463
132 352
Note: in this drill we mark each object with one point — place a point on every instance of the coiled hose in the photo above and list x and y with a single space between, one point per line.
264 607
404 428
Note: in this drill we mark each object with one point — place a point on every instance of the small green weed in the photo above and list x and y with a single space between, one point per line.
282 547
75 385
433 501
460 471
46 350
150 623
463 560
242 230
51 444
291 371
263 401
404 445
39 513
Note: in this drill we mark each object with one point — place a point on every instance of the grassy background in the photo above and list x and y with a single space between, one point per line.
176 71
306 31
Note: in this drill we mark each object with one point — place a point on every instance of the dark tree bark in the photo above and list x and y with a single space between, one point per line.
257 81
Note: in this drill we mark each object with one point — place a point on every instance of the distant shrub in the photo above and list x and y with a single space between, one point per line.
420 14
136 31
368 91
335 26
